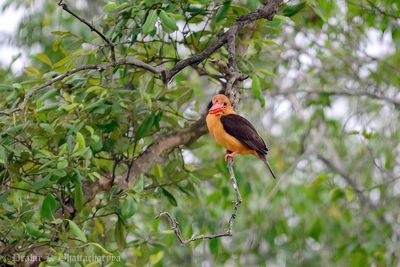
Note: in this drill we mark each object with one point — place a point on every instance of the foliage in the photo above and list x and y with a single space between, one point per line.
328 107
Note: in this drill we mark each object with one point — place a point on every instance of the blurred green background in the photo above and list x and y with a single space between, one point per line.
323 91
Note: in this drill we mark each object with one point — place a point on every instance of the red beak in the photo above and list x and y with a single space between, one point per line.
216 108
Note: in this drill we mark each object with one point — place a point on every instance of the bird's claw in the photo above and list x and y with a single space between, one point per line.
229 155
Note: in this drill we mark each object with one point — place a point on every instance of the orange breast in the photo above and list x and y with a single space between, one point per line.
226 140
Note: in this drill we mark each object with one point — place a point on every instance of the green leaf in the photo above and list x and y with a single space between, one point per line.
266 73
43 183
14 130
3 155
349 193
168 21
78 194
48 128
62 164
95 89
319 13
315 229
323 99
43 58
110 7
150 22
64 34
139 185
185 97
269 42
33 70
205 173
76 231
354 132
336 193
80 142
158 170
317 181
62 62
170 197
105 251
291 10
48 207
48 107
68 107
119 234
57 221
358 258
128 207
214 246
222 11
155 258
256 89
146 126
367 135
49 94
33 230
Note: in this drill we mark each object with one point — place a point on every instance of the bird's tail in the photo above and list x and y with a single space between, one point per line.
264 159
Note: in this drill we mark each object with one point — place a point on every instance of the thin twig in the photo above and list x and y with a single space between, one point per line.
204 72
374 8
232 219
237 192
108 41
338 167
26 190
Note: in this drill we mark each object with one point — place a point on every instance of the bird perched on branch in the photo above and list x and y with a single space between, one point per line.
234 132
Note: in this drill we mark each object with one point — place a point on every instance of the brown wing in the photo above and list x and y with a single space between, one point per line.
242 130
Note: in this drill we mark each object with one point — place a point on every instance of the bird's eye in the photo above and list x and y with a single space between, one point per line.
224 104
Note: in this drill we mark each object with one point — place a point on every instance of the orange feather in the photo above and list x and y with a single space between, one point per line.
242 137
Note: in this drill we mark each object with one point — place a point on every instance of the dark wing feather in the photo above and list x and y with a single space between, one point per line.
242 130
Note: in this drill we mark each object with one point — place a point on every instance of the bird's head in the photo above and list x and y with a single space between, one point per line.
220 105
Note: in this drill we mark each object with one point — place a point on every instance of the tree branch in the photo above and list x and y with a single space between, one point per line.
99 67
232 89
374 9
231 222
26 190
153 152
389 100
232 52
266 12
334 167
364 200
182 136
108 41
179 137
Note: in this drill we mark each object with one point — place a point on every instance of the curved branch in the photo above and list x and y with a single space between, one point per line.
231 222
179 137
108 41
266 12
234 76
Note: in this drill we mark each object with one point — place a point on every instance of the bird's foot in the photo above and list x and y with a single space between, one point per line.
230 155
